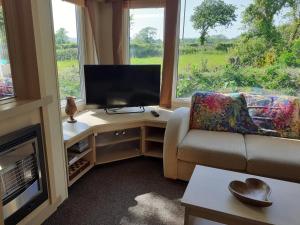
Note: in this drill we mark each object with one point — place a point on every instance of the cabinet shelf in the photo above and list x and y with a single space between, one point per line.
154 149
72 181
155 138
76 156
115 155
157 153
113 142
117 152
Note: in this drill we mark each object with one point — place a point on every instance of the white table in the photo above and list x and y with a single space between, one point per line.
207 196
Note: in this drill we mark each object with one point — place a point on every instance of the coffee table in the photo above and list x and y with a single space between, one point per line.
208 199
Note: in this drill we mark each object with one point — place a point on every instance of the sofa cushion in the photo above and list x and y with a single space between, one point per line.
221 112
273 157
279 113
217 149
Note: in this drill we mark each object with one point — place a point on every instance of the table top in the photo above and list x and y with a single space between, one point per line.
97 119
208 192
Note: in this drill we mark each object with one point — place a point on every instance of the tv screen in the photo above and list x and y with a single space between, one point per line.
114 86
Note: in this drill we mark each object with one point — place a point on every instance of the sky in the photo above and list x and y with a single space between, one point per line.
155 18
64 16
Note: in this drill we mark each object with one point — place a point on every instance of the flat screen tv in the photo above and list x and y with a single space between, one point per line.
117 86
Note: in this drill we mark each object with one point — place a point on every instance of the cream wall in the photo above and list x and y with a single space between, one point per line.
48 114
43 28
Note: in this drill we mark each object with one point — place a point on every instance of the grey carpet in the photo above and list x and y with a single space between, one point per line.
130 192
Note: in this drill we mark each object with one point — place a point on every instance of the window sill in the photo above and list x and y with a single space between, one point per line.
80 107
16 107
181 102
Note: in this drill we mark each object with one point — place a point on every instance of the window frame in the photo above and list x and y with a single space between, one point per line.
8 99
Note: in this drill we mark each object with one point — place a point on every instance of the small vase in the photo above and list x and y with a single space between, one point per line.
71 109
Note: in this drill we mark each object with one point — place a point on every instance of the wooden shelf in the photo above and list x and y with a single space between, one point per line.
113 142
157 153
116 154
155 138
71 182
14 107
78 155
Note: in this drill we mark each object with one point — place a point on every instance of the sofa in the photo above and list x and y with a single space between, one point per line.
268 156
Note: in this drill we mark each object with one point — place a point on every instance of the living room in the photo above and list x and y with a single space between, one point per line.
149 112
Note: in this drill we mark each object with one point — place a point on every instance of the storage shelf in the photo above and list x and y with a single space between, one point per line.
116 155
78 156
157 153
113 142
155 138
71 182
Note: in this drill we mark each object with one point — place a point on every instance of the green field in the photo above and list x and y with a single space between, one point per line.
214 60
66 64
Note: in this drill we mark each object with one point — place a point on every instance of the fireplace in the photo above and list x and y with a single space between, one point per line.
23 180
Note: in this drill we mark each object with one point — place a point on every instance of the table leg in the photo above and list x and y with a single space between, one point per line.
186 216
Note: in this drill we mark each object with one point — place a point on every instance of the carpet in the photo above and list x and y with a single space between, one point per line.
129 192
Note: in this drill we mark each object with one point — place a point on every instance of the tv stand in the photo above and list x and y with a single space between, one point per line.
112 138
113 111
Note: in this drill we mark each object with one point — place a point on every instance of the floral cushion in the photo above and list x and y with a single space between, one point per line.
278 113
220 112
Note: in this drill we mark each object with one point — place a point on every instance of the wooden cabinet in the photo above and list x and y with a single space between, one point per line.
79 163
112 138
117 145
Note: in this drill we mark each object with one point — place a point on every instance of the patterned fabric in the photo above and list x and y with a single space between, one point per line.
278 113
220 112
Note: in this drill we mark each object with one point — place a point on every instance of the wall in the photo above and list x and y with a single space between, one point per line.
48 115
43 28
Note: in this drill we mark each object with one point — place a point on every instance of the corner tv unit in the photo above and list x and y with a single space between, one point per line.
112 87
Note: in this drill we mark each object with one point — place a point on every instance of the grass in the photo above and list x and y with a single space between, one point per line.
61 65
214 60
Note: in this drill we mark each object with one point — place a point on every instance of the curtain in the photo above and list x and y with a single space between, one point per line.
171 20
106 19
77 2
100 14
118 32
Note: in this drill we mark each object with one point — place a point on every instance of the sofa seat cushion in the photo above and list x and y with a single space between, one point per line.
273 157
211 148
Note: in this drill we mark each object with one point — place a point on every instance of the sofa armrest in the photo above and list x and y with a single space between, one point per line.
176 130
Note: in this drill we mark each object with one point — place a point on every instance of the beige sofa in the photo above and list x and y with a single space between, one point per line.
260 155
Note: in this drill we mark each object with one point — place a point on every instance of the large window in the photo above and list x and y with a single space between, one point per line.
67 53
146 35
6 85
239 46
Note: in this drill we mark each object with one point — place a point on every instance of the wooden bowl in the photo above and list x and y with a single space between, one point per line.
253 191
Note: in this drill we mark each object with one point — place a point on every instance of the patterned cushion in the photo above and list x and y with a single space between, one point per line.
220 112
279 113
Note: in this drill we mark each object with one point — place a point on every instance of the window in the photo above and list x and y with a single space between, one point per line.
146 35
232 46
67 51
6 84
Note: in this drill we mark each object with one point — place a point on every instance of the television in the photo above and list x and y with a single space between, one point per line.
118 86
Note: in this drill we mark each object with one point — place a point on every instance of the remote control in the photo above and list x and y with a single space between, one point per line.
154 113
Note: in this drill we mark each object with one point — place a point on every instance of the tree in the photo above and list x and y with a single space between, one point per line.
259 16
61 36
146 35
210 14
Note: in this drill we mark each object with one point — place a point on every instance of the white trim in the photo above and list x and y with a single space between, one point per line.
176 58
80 42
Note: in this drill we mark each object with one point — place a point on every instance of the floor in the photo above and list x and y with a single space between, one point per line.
130 192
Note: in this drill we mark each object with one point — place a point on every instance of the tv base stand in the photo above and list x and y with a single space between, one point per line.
113 111
108 138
